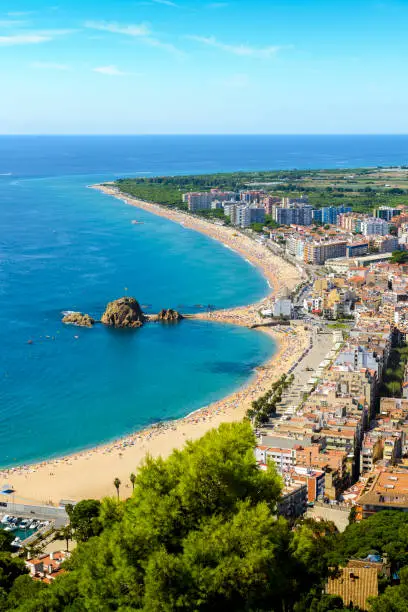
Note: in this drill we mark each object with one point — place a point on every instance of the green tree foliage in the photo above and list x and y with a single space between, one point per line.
341 190
65 534
23 590
394 599
84 519
6 538
265 406
10 569
116 484
399 257
329 603
394 374
385 532
199 533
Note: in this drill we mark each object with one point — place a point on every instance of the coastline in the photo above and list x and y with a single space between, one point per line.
90 473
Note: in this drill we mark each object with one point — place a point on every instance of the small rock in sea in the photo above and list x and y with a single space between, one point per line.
77 318
169 315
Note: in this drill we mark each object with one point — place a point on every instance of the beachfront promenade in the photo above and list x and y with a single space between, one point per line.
91 473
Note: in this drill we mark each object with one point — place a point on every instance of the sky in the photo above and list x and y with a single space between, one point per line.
203 67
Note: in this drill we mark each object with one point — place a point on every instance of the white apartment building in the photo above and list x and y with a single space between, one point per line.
283 308
373 226
295 245
242 214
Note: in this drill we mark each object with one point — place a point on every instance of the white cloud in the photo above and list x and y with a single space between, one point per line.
31 38
11 23
23 39
140 31
155 42
50 66
110 71
242 50
116 28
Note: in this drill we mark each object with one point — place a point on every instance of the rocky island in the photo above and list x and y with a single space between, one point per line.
79 319
124 312
169 315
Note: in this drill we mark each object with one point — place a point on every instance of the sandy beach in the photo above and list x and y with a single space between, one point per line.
91 473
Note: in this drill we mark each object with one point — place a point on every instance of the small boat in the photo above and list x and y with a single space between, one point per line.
134 222
5 519
16 542
24 524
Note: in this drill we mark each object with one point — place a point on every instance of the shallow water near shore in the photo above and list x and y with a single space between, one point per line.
66 247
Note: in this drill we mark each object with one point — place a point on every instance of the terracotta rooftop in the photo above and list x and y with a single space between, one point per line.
354 585
387 489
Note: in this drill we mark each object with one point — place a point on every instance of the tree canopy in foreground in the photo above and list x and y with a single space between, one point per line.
200 533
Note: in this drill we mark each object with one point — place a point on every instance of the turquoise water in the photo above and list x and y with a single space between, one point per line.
23 534
66 247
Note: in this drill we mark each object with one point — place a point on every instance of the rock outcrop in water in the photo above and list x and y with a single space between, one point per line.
77 318
124 312
169 315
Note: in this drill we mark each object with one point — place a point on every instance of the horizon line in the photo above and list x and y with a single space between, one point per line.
187 134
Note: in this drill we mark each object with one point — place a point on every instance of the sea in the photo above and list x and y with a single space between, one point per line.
66 247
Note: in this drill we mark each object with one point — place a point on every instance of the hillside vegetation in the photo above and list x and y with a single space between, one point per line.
361 188
200 533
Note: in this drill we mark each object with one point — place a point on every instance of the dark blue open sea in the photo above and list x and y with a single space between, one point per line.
66 247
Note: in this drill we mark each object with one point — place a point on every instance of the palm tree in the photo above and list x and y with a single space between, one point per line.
117 484
65 533
132 478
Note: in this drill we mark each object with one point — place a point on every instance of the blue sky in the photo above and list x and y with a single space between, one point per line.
184 66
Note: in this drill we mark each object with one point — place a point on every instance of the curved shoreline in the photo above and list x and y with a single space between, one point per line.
90 473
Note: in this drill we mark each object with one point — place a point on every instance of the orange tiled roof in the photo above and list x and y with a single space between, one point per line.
354 585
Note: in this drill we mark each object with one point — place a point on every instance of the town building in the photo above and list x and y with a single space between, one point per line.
373 226
318 252
293 500
329 214
385 490
270 202
295 215
356 249
354 585
387 212
283 308
254 195
224 196
46 567
198 200
243 215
